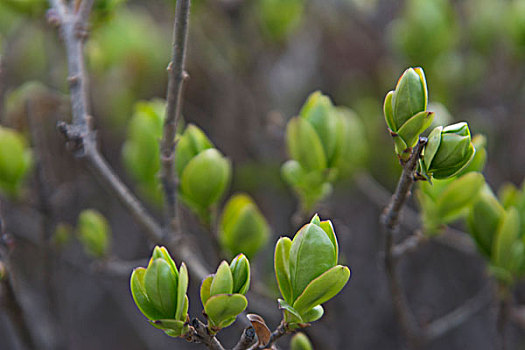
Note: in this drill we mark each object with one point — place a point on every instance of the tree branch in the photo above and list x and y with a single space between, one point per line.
390 222
199 334
81 139
176 77
247 339
454 319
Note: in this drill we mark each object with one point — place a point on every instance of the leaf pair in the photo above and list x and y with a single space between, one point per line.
306 271
222 294
159 291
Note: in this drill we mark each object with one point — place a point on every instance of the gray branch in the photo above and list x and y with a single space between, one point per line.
176 77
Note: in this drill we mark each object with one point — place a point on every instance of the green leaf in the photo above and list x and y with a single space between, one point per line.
322 289
192 142
459 195
240 268
300 342
176 327
161 287
434 140
311 254
242 227
483 220
320 113
205 289
414 127
409 97
507 237
295 316
205 178
387 110
305 145
313 314
282 267
223 280
223 307
329 229
93 230
140 297
181 291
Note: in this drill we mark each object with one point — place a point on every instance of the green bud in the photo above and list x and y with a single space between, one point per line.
192 142
508 250
242 227
444 201
304 145
159 291
204 180
405 110
351 148
62 235
140 152
93 232
300 342
484 219
240 268
306 270
480 155
222 294
448 151
278 18
15 160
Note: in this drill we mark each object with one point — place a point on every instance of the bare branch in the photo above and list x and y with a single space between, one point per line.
390 222
176 77
199 333
83 13
460 315
247 339
81 139
410 244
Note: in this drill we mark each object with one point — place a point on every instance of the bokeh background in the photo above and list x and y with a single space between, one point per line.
252 64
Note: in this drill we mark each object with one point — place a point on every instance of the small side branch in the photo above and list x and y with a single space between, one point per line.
459 316
176 78
199 334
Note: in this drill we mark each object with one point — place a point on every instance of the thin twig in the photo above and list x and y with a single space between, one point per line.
176 77
199 333
390 222
247 339
410 244
81 139
460 315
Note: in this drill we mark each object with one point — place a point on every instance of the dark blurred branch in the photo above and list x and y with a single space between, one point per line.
9 301
504 312
460 315
390 223
176 77
410 244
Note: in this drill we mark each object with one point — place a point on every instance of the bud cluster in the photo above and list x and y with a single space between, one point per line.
307 271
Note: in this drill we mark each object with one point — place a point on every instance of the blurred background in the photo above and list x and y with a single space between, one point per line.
252 64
